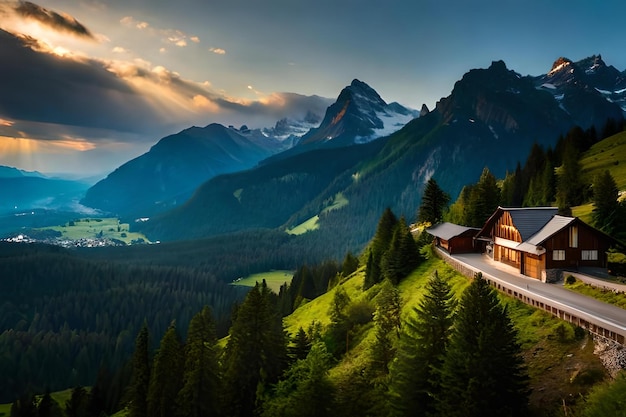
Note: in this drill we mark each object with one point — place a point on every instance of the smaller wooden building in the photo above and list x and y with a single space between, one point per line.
538 240
453 237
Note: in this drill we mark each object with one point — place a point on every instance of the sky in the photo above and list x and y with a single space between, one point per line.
86 85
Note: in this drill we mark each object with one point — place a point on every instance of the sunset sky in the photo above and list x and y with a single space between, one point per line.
86 85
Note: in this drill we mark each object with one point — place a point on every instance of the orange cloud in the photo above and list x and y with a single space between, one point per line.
218 51
201 102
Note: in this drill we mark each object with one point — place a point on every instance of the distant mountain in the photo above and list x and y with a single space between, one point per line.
19 193
11 172
359 115
172 169
492 118
588 89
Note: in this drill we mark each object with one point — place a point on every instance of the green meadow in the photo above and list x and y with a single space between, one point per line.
274 279
91 228
312 223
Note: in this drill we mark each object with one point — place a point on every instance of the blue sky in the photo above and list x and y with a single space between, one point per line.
102 81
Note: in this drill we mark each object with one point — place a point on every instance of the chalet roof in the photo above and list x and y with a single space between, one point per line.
447 231
527 220
555 225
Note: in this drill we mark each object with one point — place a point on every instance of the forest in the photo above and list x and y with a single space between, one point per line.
84 318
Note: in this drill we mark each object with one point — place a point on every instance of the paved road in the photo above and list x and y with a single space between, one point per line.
594 311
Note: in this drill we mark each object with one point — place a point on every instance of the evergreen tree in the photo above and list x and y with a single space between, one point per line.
255 355
140 382
483 371
606 207
387 326
402 256
77 405
301 345
416 374
306 390
167 373
548 183
380 244
372 271
569 190
349 265
24 407
199 396
459 211
434 202
49 407
484 199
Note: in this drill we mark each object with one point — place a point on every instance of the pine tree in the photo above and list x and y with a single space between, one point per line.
569 189
199 396
606 207
24 407
167 374
379 246
402 256
306 390
76 406
49 407
140 382
434 202
256 353
484 199
372 271
349 265
423 343
301 345
387 326
483 371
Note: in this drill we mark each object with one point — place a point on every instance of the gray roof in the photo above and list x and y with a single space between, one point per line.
556 224
529 220
447 231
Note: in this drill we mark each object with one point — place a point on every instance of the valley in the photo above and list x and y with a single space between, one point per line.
232 207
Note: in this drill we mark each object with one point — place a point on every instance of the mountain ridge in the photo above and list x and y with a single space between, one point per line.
492 118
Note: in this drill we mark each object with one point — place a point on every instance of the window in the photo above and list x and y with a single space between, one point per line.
573 237
589 255
558 255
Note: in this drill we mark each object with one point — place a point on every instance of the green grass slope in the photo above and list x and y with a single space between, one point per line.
608 154
560 361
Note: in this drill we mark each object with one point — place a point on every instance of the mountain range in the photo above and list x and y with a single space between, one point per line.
26 190
340 171
171 170
492 118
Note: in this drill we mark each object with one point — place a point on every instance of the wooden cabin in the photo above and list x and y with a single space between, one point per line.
537 241
453 238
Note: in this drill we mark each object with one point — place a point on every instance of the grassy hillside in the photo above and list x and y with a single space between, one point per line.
274 279
561 366
60 397
608 154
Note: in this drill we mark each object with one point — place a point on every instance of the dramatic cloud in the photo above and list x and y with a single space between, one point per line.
78 92
62 22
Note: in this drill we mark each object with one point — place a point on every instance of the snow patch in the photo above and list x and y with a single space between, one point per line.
549 86
605 92
392 122
493 131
